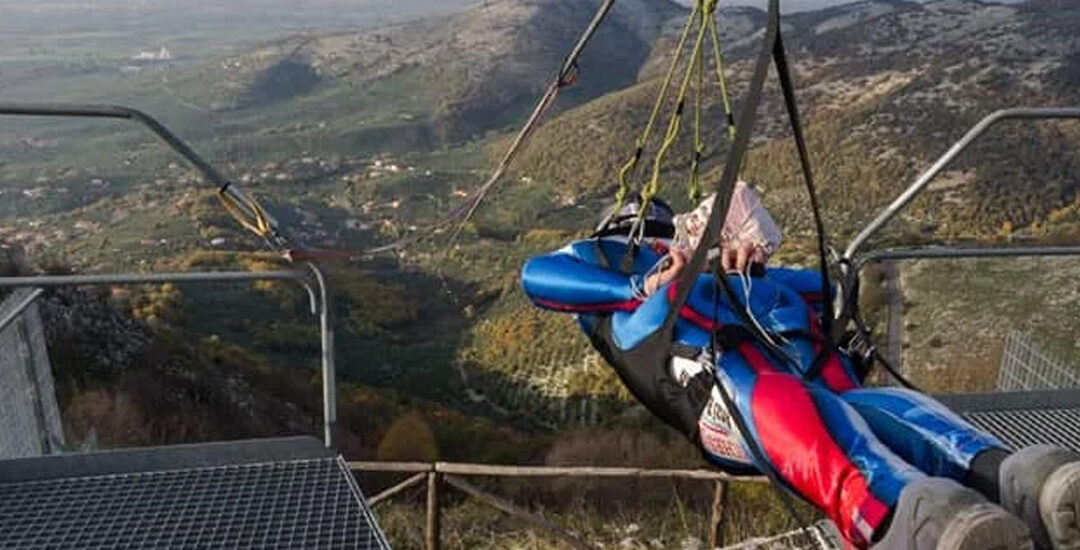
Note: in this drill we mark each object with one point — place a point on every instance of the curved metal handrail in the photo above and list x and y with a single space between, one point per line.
321 302
960 146
319 299
120 112
959 252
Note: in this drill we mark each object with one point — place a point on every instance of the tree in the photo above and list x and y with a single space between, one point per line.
409 439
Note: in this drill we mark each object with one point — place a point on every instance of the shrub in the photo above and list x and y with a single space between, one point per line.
623 447
409 438
105 418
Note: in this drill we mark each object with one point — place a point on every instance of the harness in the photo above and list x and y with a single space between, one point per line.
656 388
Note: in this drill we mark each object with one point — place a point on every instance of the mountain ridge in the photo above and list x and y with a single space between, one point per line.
360 137
462 75
971 59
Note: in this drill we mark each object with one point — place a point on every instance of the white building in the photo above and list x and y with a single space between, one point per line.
161 55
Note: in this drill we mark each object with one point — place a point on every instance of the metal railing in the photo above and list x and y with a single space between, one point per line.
314 284
1024 367
852 261
29 411
946 252
944 160
20 307
119 112
321 301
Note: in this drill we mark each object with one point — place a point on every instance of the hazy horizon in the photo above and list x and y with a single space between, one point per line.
788 6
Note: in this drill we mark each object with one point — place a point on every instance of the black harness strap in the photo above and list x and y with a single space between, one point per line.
725 188
655 387
600 256
726 185
644 371
875 355
850 313
788 88
626 264
783 70
685 351
729 338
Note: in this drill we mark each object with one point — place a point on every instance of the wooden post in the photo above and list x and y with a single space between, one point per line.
431 533
716 518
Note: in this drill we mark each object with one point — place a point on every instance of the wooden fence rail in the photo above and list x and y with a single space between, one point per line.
492 470
451 473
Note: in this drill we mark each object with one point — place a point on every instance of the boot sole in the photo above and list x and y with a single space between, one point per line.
985 527
1059 506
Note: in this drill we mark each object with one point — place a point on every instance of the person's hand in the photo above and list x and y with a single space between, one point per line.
677 258
736 257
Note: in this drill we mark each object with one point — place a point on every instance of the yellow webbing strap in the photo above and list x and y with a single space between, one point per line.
718 57
652 188
628 167
247 212
694 185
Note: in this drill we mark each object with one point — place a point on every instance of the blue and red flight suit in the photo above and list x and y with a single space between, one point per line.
848 450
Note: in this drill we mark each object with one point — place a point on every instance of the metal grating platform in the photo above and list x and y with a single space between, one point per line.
1024 418
285 493
1019 429
820 536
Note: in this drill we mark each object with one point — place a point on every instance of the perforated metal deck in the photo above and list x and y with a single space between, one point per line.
283 493
1024 418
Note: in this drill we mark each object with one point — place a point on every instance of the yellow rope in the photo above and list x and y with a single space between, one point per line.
699 147
624 172
702 16
718 57
651 189
728 116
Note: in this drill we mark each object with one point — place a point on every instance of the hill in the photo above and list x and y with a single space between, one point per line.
429 81
881 83
354 138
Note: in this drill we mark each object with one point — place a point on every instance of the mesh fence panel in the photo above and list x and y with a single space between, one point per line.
28 409
1025 367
